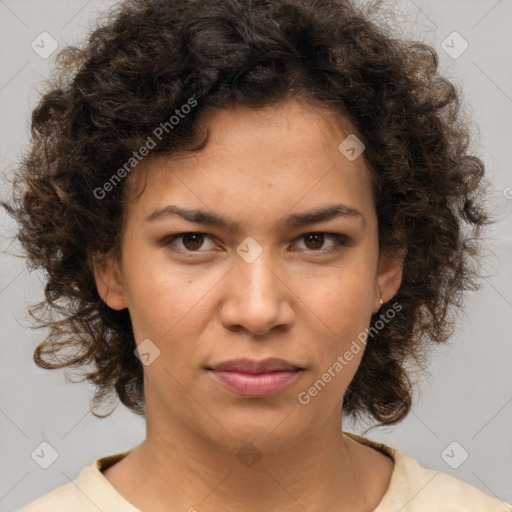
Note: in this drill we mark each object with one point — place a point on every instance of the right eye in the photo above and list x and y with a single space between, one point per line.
191 241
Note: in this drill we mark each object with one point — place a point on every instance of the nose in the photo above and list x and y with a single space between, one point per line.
257 297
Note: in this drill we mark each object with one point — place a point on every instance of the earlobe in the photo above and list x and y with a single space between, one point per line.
109 281
389 276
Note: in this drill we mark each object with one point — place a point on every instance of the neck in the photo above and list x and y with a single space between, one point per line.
182 470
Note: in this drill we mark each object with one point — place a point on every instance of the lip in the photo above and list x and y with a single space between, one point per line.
254 379
253 367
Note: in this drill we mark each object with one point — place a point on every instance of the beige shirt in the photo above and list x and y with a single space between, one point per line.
412 489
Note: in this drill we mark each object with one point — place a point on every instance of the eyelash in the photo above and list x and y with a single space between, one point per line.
341 240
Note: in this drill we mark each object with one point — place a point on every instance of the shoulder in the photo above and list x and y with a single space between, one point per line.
69 496
90 491
414 488
423 488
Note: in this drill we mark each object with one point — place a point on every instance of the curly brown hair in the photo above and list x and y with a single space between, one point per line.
149 57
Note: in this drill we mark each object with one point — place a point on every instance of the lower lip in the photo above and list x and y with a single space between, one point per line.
263 384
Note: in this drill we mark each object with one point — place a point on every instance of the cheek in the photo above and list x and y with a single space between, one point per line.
344 299
341 306
352 302
345 314
151 293
167 304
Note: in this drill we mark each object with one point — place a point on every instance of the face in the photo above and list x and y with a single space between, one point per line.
270 283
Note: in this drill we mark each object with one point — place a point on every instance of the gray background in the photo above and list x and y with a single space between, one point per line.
468 396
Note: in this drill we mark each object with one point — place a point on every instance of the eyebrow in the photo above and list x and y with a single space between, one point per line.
320 214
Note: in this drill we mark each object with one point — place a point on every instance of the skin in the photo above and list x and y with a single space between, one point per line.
209 305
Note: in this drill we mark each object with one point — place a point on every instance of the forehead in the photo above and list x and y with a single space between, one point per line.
275 156
297 128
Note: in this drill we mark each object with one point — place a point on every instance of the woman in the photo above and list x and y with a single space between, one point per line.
253 216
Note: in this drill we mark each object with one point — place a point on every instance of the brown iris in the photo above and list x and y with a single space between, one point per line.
197 240
318 239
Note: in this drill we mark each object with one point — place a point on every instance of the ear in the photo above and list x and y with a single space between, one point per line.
389 276
109 282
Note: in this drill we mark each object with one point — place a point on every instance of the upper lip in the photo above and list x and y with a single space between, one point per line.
250 366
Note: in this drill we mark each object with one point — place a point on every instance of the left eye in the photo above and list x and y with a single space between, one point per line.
318 239
192 242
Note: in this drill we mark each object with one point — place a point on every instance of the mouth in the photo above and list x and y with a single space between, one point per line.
253 379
